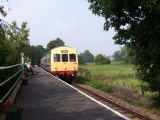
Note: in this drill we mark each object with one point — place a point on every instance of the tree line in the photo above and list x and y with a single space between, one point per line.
15 41
34 53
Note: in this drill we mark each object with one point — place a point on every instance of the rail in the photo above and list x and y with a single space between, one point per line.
108 100
9 77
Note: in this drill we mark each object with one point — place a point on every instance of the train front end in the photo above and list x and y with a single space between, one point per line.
64 63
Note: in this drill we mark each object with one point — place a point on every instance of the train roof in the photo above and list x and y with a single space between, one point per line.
63 47
56 48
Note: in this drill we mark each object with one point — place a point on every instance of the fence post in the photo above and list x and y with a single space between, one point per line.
22 58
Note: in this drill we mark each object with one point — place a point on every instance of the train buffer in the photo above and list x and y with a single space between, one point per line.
47 98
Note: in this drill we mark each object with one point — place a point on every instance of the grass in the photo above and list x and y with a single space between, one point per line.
113 74
94 84
102 77
112 69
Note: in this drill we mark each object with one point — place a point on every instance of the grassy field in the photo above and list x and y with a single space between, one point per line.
109 69
108 77
113 74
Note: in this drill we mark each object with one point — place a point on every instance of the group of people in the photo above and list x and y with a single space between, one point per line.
29 67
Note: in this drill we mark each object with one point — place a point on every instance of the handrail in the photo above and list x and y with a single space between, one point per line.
1 68
9 90
12 75
1 84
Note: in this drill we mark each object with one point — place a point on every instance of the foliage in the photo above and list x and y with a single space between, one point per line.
34 53
81 59
101 59
4 48
55 43
2 10
13 41
124 54
18 41
117 56
85 57
138 27
88 56
3 44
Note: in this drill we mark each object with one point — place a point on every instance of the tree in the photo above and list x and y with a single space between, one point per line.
88 56
55 43
35 53
2 10
124 54
81 59
13 41
4 48
101 59
18 41
137 23
3 43
117 56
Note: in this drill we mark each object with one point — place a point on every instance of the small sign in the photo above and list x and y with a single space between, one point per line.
64 51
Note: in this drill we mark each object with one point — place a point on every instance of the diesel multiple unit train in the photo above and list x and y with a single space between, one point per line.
61 62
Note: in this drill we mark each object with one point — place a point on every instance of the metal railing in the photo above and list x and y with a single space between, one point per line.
9 77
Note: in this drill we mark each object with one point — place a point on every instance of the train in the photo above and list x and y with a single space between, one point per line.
62 62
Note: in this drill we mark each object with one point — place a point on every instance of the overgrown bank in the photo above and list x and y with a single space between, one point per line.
119 79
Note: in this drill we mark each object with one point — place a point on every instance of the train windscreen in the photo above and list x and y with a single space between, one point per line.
72 57
56 57
64 57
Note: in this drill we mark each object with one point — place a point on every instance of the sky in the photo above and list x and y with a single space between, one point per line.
69 20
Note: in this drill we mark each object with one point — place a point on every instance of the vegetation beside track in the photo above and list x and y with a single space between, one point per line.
114 74
93 83
104 77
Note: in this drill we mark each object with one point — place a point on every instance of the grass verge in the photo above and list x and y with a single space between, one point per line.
94 84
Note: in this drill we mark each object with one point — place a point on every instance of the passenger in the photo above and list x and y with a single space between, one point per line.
28 66
25 67
32 69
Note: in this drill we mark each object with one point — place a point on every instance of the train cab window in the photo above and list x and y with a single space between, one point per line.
72 57
56 57
64 57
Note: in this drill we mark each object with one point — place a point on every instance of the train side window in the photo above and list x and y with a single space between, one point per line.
56 57
72 57
64 57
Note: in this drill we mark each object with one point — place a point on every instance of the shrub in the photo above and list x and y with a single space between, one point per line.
101 59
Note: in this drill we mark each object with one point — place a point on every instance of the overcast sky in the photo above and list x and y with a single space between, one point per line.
70 20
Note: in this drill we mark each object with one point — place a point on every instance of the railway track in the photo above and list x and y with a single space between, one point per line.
133 115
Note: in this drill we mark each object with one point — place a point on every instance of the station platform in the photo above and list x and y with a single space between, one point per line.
48 98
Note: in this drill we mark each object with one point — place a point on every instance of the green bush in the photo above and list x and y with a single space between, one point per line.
101 59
